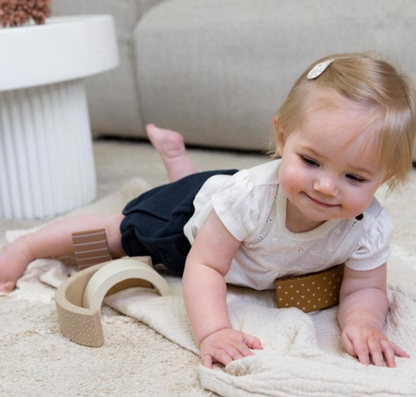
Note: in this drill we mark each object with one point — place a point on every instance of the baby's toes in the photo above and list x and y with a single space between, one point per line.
7 286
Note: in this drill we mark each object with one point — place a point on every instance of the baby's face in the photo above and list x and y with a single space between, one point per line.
330 168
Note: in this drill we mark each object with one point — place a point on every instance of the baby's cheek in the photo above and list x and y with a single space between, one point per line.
293 177
286 182
356 204
290 186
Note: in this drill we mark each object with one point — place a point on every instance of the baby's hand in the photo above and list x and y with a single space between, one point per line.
364 340
227 345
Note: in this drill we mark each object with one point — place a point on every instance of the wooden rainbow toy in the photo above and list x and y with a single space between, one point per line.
79 299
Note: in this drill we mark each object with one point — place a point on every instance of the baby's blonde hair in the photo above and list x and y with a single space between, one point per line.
371 82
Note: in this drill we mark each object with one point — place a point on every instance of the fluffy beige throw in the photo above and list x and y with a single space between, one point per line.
302 353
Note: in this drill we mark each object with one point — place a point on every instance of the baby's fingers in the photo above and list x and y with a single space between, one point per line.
385 351
237 350
390 351
206 360
348 346
252 342
362 351
389 354
222 356
357 348
219 356
379 350
399 352
230 352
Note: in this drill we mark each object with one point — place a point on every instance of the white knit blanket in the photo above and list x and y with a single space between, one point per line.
302 355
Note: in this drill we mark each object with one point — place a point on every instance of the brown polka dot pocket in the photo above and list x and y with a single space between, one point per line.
312 291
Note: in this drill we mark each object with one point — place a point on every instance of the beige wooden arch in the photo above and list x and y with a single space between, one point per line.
79 299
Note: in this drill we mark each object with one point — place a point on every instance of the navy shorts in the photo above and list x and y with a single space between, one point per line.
154 221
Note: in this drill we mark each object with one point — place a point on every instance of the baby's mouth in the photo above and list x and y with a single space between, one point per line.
321 203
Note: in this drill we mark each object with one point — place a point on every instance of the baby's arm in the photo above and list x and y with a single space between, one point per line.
205 293
362 314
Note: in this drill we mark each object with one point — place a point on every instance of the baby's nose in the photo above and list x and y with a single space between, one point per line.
326 185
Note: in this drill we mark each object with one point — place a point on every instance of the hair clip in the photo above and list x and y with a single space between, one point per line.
318 69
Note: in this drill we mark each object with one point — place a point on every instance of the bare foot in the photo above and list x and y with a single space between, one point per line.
168 143
171 147
13 262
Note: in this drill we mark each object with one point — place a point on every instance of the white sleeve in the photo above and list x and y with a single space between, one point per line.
373 249
237 205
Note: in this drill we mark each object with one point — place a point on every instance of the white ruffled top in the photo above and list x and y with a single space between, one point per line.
253 209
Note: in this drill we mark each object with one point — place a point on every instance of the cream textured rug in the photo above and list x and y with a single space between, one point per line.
36 360
302 353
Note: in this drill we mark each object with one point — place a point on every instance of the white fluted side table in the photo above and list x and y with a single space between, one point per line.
46 159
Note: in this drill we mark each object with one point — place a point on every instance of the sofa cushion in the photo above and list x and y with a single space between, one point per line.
114 100
218 70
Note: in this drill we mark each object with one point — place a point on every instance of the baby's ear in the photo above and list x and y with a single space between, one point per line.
275 120
280 136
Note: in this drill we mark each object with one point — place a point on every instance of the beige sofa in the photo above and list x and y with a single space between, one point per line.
217 70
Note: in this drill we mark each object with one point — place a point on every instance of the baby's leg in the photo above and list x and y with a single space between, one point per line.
55 240
171 147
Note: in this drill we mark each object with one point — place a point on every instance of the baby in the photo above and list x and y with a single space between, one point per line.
347 126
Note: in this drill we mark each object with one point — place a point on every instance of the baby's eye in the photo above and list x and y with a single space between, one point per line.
309 161
355 178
